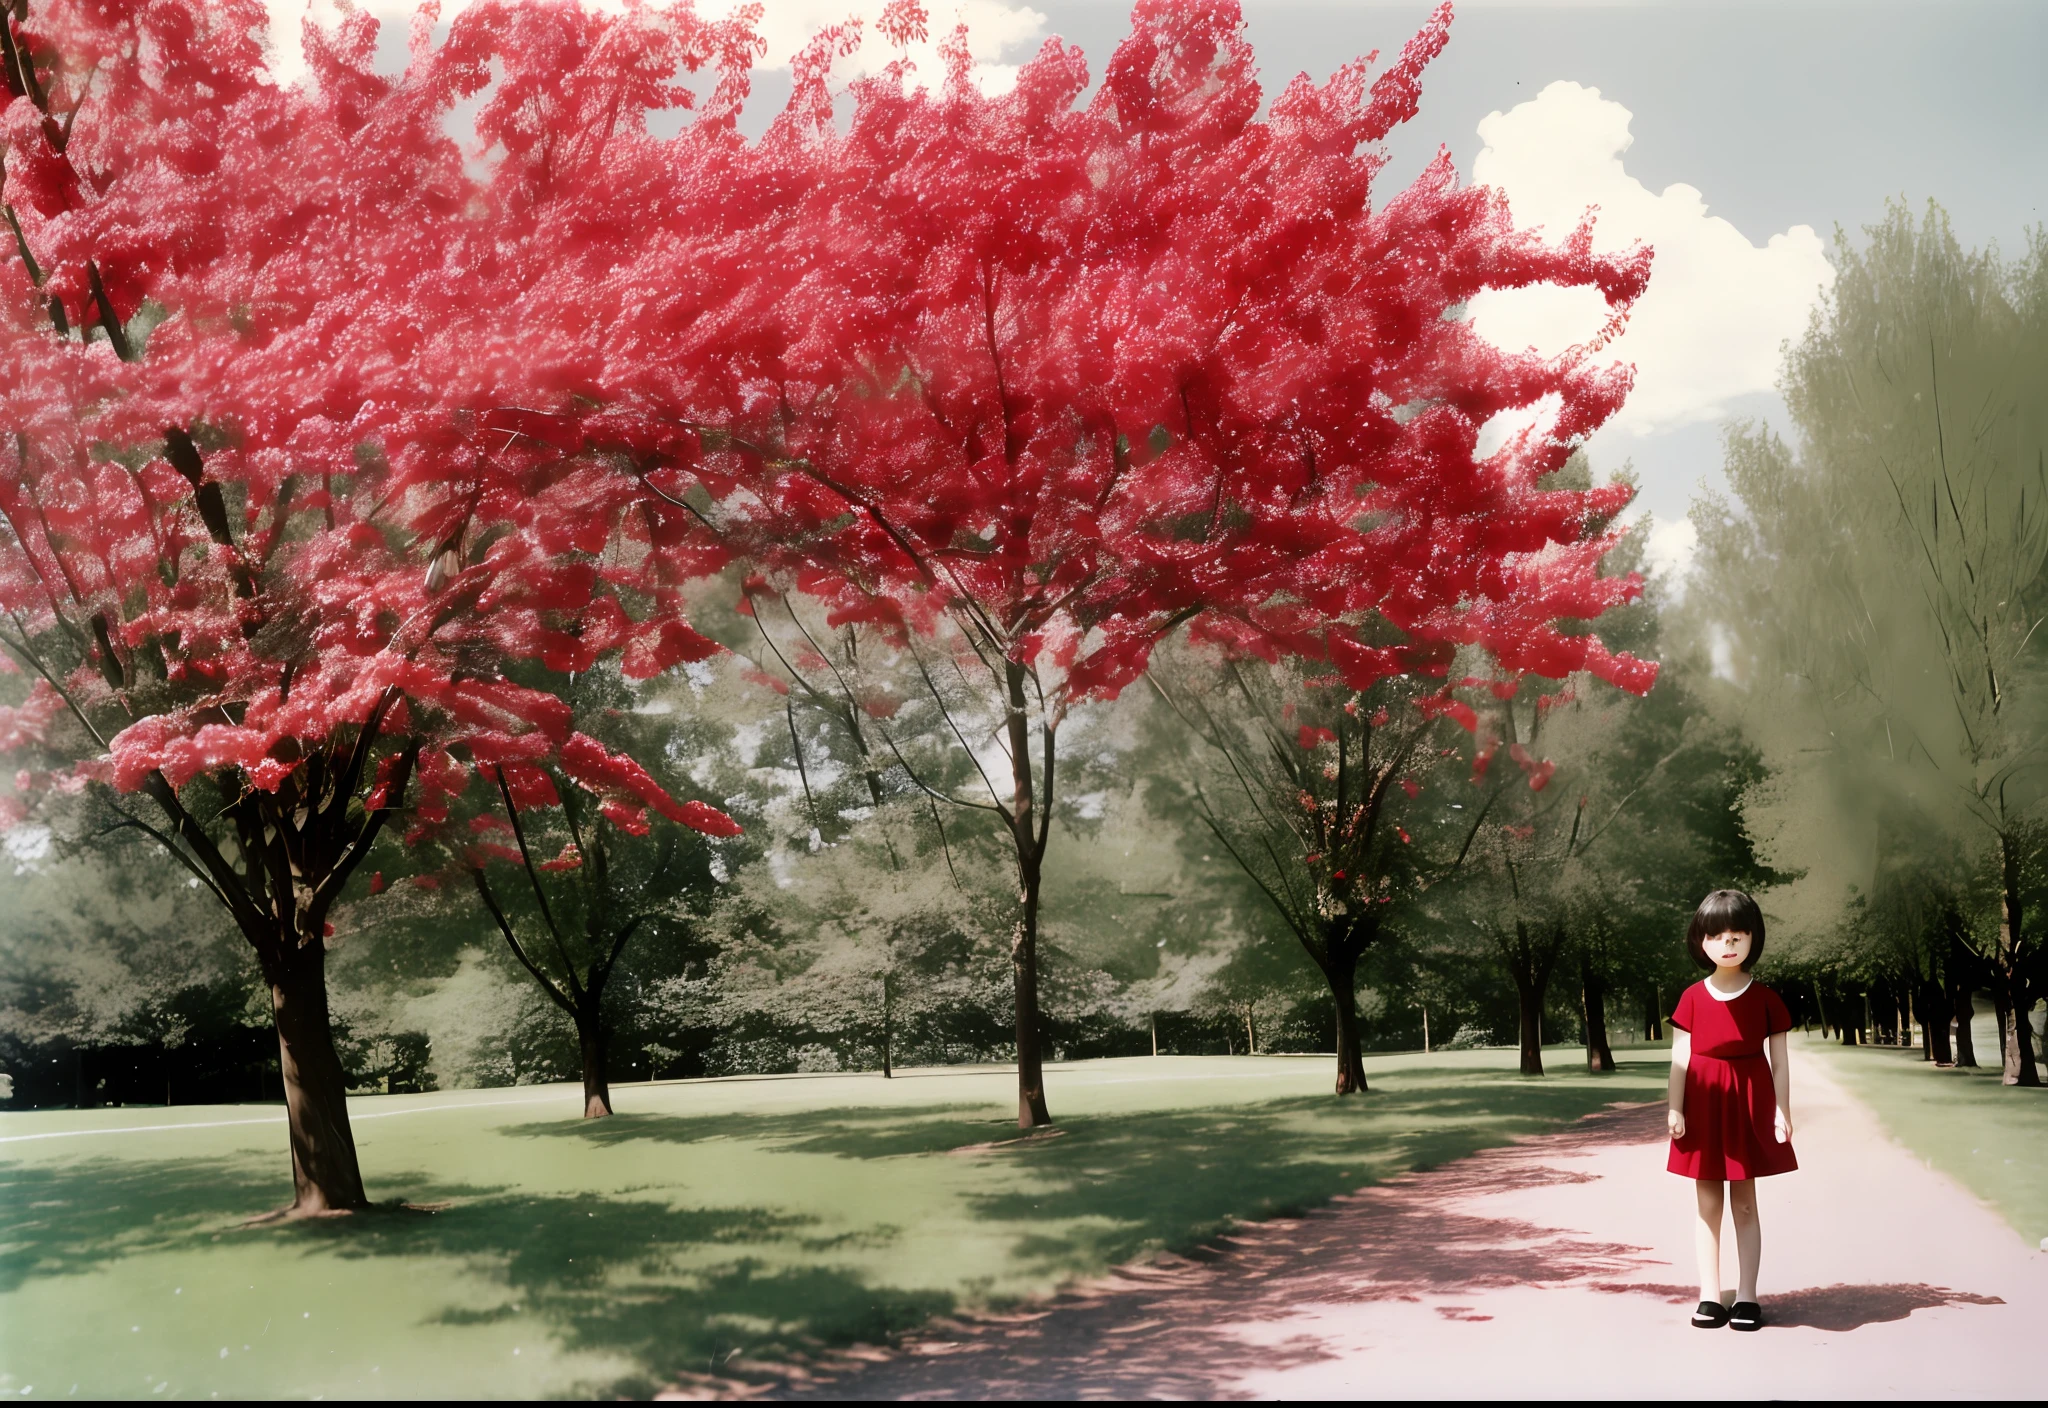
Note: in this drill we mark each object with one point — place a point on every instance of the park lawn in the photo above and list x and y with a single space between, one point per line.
1990 1138
706 1221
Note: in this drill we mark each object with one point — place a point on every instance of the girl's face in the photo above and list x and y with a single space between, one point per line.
1729 951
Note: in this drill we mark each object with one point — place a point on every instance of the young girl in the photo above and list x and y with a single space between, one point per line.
1731 1113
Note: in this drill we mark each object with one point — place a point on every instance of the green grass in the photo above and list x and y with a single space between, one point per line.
1991 1138
707 1219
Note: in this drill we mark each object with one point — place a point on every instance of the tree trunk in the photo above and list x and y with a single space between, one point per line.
1024 812
2020 1066
1965 1013
888 1029
1530 999
2015 1036
1593 992
325 1175
2009 983
1531 1004
1530 967
1342 977
1934 1026
1031 1107
592 1041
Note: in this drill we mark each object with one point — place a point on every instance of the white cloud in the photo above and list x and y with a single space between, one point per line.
994 29
1718 309
1670 546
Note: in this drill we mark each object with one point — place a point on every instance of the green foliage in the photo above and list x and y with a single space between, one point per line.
1873 596
1586 874
822 958
112 947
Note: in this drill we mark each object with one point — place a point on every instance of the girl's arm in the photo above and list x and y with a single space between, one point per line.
1681 1055
1781 1080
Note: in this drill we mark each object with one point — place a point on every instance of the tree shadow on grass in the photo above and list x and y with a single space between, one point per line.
674 1290
60 1220
679 1291
1197 1327
878 1133
1116 1187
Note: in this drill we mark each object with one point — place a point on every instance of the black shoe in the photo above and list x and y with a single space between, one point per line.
1710 1316
1746 1315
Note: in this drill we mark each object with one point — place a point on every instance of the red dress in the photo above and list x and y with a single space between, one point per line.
1730 1103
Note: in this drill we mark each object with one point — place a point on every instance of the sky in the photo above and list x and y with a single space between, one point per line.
1735 138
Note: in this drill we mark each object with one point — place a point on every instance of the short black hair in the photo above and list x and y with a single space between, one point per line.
1723 912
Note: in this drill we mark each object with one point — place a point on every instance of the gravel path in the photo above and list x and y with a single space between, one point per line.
1554 1268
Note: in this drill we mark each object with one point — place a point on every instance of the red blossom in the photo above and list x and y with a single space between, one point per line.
1444 706
1538 773
475 855
895 389
628 791
28 724
1483 758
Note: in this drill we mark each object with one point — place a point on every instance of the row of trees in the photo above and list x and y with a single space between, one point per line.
346 479
1875 592
853 936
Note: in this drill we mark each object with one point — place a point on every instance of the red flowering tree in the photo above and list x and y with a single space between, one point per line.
588 873
1063 377
1068 377
278 538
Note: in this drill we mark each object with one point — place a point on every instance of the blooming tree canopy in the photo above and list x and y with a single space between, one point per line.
1074 374
324 442
279 551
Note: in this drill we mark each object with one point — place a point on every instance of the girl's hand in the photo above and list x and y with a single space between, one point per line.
1676 1120
1784 1127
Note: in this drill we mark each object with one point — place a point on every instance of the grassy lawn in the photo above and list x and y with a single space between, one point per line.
706 1220
1991 1139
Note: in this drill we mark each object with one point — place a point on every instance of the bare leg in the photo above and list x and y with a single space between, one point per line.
1706 1238
1749 1236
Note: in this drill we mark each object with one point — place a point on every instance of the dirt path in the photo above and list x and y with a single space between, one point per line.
1554 1268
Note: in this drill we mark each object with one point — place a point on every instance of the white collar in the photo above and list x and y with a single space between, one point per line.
1720 996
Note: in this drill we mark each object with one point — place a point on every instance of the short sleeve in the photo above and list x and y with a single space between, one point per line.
1682 1017
1777 1016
